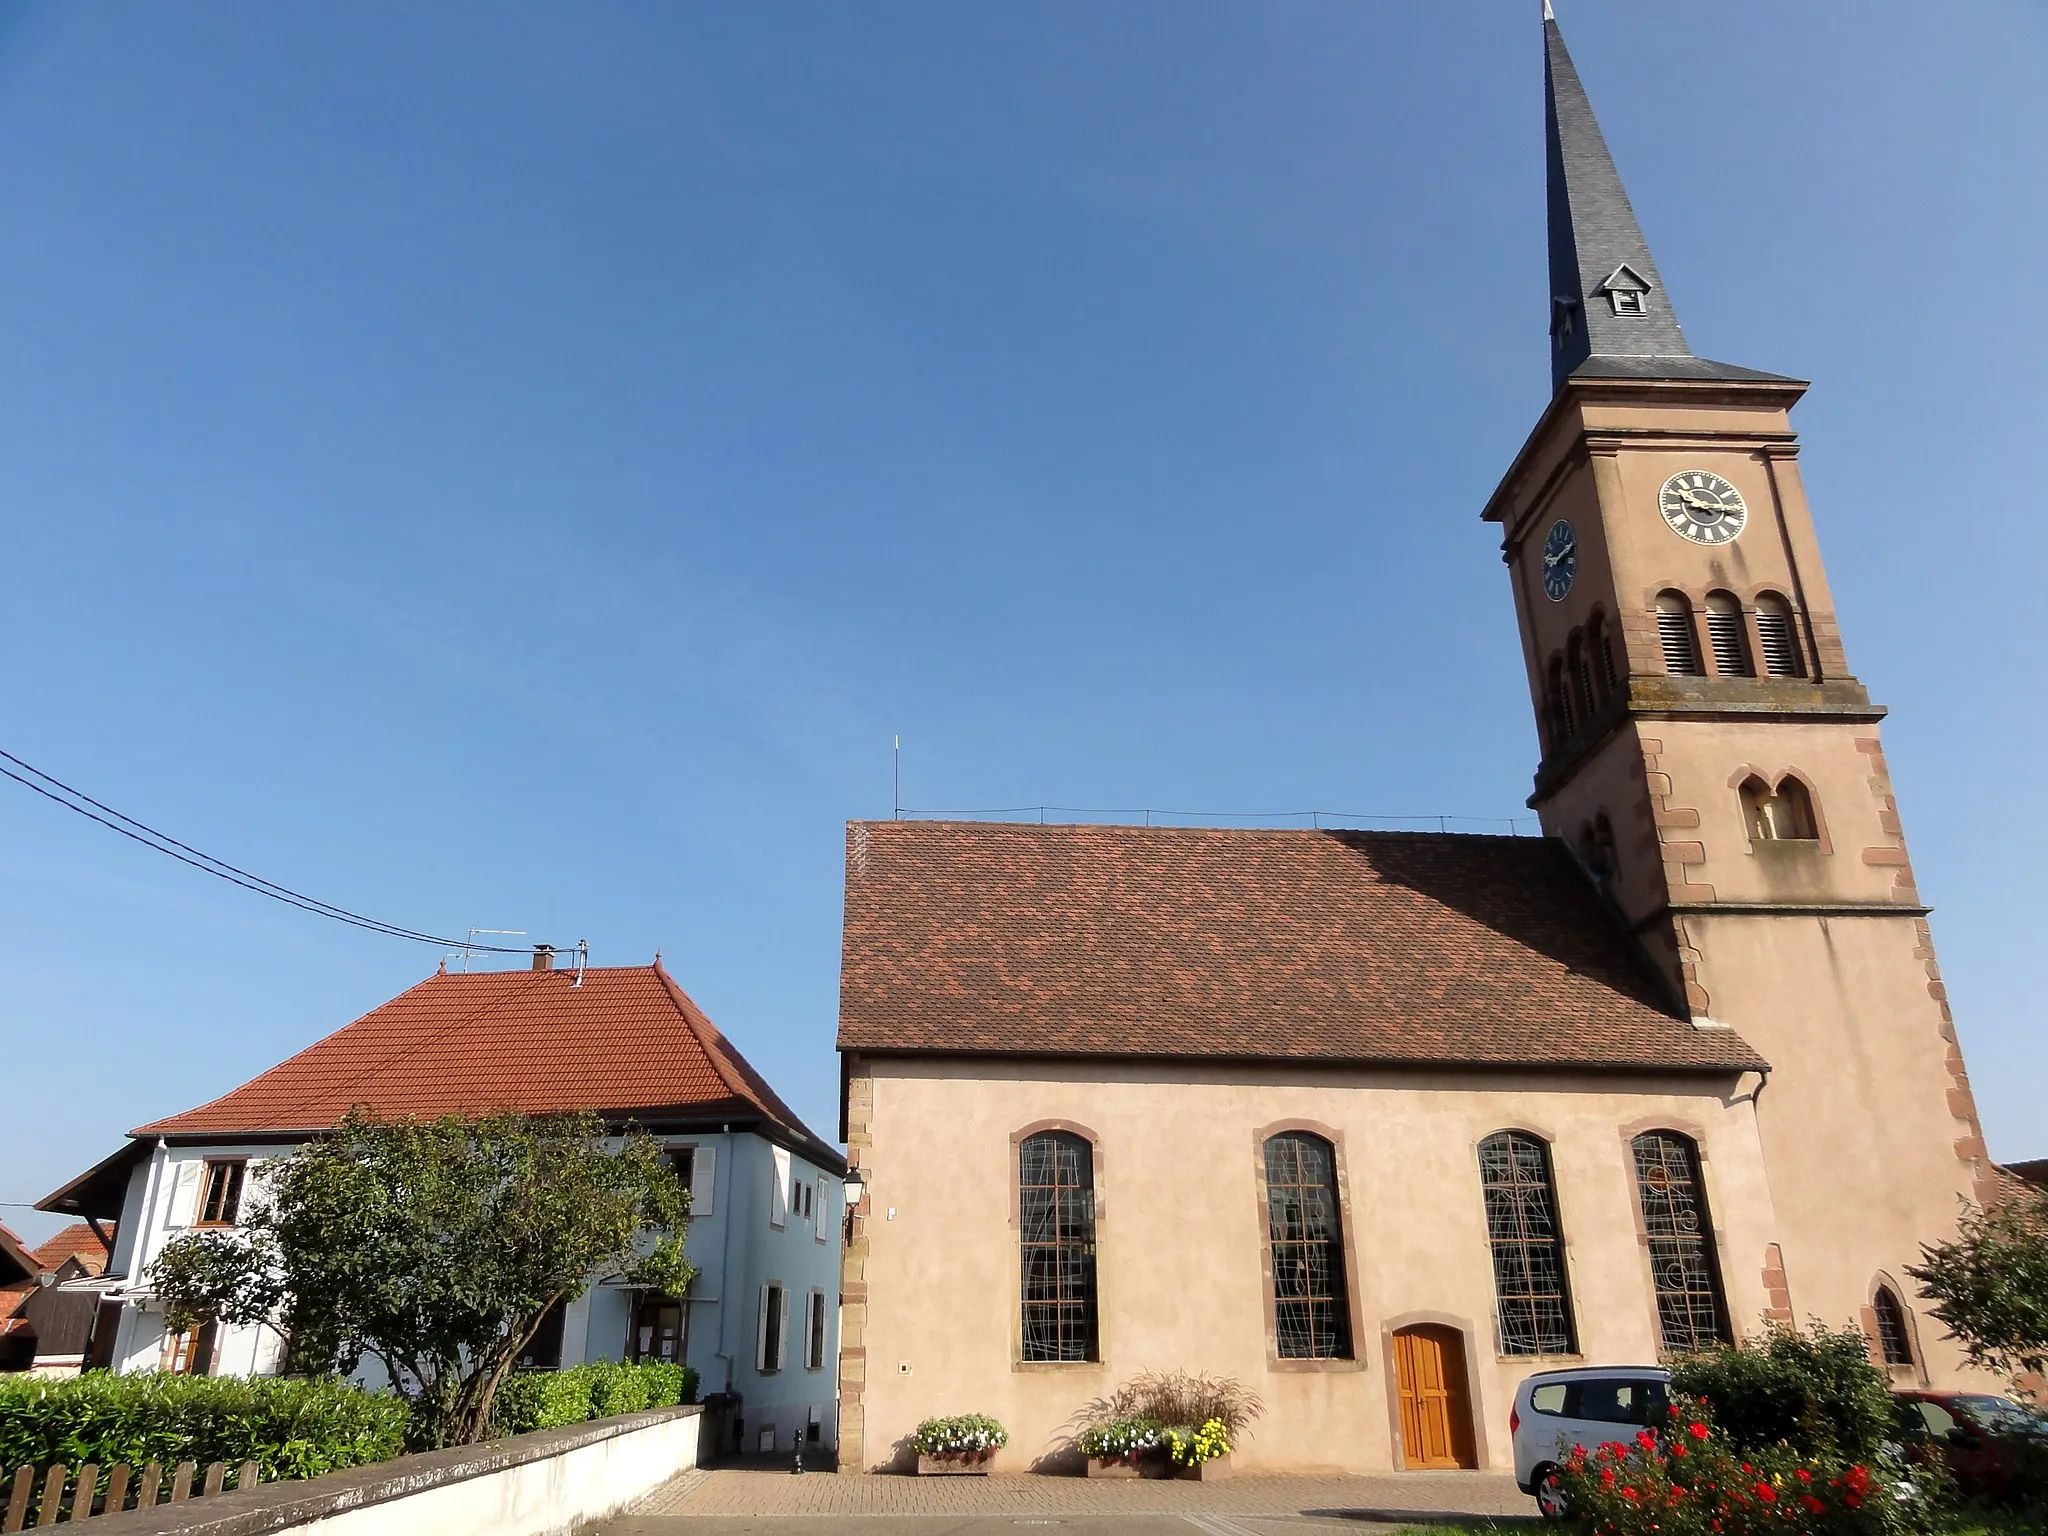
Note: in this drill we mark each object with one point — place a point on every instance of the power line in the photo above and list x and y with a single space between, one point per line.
63 794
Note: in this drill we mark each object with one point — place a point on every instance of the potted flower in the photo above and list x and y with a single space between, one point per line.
958 1447
1129 1445
1202 1454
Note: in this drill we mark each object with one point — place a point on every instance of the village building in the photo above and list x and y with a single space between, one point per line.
1379 1124
760 1322
45 1322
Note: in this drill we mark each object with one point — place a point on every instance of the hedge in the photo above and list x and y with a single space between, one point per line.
534 1400
289 1426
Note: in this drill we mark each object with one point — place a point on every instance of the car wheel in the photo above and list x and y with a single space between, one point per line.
1550 1499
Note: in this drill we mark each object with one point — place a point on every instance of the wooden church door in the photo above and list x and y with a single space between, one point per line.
1436 1409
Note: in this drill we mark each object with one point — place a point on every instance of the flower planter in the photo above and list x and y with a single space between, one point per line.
956 1464
1214 1470
1150 1462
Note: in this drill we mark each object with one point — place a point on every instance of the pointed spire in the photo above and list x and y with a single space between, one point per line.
1610 316
1607 300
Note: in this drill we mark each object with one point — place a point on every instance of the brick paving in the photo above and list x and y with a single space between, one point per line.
759 1500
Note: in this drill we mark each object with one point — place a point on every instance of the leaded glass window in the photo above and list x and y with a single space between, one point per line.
1528 1245
1311 1319
1690 1311
1056 1210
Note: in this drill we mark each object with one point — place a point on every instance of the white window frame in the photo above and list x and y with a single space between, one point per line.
821 1230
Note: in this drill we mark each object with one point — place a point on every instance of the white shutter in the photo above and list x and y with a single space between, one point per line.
821 1225
182 1199
255 1193
761 1332
703 1180
778 1194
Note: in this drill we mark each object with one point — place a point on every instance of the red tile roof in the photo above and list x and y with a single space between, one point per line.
1414 948
76 1241
628 1041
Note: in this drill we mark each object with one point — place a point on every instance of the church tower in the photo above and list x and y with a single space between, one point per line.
1716 765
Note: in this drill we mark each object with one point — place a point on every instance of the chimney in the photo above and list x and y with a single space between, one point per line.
543 957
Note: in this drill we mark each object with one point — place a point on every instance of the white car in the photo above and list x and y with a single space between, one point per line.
1588 1406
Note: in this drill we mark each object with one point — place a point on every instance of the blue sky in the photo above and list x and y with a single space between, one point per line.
518 465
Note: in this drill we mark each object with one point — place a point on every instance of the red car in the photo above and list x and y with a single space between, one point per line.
1987 1442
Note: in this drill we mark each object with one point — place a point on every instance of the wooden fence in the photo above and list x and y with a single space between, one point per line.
43 1496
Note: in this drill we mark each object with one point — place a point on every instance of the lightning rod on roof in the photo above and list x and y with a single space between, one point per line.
898 813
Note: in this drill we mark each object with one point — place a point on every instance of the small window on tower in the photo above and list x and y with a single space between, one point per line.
1725 634
1600 645
1564 723
1780 640
1628 303
1582 677
1780 815
1675 632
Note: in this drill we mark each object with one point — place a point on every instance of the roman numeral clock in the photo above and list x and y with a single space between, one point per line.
1701 506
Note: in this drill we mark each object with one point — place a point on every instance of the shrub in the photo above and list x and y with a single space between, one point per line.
532 1400
288 1426
1182 1398
1686 1478
966 1434
1815 1391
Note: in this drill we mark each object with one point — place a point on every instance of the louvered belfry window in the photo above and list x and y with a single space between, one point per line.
1056 1212
1691 1313
1727 637
1780 641
1311 1315
1528 1245
1675 632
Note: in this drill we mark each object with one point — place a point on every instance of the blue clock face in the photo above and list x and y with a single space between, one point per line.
1560 560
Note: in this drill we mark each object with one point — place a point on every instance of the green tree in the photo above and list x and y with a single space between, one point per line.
1990 1284
435 1247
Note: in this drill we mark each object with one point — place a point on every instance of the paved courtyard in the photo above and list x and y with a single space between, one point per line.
730 1501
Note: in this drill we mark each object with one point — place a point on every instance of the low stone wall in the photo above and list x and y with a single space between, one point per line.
545 1484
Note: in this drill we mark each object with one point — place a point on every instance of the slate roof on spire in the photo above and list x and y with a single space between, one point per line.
1593 235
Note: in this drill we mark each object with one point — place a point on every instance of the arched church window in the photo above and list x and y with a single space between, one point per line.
1684 1271
1675 633
1726 637
1603 838
1893 1342
1779 639
1784 814
1311 1310
1795 811
1056 1215
1582 676
1528 1245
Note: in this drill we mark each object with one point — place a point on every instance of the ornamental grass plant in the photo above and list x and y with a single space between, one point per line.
1194 1416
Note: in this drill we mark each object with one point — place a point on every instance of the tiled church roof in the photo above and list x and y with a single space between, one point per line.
1411 948
628 1041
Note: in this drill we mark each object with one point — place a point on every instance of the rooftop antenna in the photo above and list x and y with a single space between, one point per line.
519 932
899 779
582 959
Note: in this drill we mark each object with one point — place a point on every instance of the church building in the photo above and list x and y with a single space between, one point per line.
1379 1124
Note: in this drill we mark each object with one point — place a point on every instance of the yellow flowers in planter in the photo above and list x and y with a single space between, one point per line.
1192 1447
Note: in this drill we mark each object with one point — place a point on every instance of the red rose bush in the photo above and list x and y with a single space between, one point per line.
1685 1478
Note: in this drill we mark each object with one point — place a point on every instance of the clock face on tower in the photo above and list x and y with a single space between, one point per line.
1560 560
1701 506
